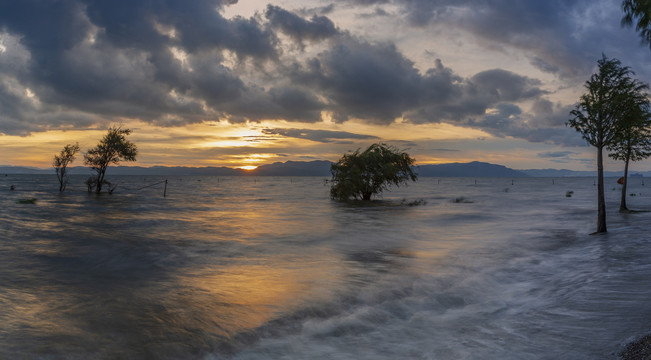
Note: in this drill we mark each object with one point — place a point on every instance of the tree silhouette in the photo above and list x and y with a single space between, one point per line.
60 163
112 149
598 113
639 11
361 175
633 140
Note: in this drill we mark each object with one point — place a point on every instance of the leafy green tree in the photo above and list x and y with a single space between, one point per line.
633 141
61 162
639 11
360 175
597 117
113 148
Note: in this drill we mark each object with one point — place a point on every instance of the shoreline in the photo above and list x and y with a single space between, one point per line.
639 349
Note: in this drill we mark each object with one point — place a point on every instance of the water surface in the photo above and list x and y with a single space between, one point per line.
271 268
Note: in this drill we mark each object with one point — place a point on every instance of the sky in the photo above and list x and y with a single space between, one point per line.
244 83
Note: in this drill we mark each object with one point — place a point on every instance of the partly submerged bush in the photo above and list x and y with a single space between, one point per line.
413 202
360 175
27 201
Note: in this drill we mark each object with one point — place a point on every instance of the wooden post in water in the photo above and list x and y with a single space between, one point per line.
165 190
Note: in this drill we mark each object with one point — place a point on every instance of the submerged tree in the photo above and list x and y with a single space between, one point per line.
113 148
61 162
633 140
360 175
597 116
640 12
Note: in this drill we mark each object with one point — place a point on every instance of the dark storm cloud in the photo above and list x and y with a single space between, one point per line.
171 62
321 10
198 24
559 36
374 82
504 85
299 29
112 60
323 136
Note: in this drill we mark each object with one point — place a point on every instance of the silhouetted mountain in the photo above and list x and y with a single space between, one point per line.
322 168
472 169
294 168
20 170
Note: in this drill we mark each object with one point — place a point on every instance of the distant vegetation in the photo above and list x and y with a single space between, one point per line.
360 175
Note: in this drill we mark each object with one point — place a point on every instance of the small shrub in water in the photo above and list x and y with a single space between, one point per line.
569 194
632 194
461 200
27 201
414 202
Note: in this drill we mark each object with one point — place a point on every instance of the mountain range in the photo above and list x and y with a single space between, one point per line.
322 168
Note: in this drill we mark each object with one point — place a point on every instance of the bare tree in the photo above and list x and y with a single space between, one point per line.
61 162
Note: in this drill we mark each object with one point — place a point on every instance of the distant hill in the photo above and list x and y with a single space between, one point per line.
322 168
294 168
289 168
572 173
472 169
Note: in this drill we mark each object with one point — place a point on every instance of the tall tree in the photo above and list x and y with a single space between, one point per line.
60 163
113 148
360 175
633 141
640 12
597 115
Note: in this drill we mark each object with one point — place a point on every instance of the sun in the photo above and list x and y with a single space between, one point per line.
248 167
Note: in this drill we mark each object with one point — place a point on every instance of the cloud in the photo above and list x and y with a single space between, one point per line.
132 59
444 150
563 157
370 81
323 136
557 154
80 63
299 29
559 37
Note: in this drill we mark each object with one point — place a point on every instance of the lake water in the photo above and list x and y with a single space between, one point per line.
271 268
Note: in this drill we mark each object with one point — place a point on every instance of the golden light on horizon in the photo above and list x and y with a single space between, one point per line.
248 167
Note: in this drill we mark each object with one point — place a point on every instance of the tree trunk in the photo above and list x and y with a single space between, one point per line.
366 196
62 179
601 200
100 181
622 204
